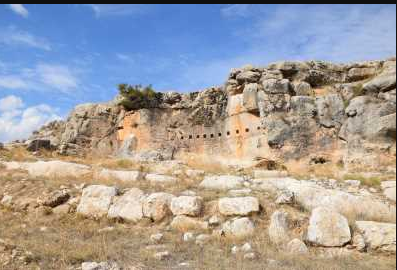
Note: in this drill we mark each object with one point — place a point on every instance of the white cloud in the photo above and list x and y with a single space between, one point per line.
117 9
124 57
236 10
10 103
19 9
12 82
341 33
43 77
18 122
57 76
11 36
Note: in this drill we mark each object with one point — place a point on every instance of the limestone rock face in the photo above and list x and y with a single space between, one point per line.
241 206
384 82
331 110
157 205
285 110
250 97
187 205
328 228
238 228
96 200
128 207
378 236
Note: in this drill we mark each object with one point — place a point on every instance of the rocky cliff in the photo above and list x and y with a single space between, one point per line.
344 113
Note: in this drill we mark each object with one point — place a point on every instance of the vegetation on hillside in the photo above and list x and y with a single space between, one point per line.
138 97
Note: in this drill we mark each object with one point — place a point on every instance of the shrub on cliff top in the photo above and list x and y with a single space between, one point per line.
138 97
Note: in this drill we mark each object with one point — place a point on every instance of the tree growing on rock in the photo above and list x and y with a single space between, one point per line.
136 97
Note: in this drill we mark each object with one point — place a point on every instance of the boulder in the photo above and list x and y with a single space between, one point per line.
187 205
238 228
381 83
360 73
310 195
223 182
241 206
124 176
328 228
128 207
296 246
274 86
370 119
303 89
38 144
248 77
55 198
279 231
96 200
185 223
378 236
157 206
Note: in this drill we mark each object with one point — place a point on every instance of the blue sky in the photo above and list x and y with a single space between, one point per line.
53 57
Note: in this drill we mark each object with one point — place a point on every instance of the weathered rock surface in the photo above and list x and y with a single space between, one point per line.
378 236
187 205
241 206
157 205
328 228
299 107
128 207
279 231
389 189
96 200
311 195
185 223
55 198
238 228
296 246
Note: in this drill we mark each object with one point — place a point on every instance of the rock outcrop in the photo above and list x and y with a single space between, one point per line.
285 110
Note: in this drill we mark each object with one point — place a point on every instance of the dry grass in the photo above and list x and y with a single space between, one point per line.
301 170
207 165
69 240
16 154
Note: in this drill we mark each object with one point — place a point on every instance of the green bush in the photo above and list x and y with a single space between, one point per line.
137 97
